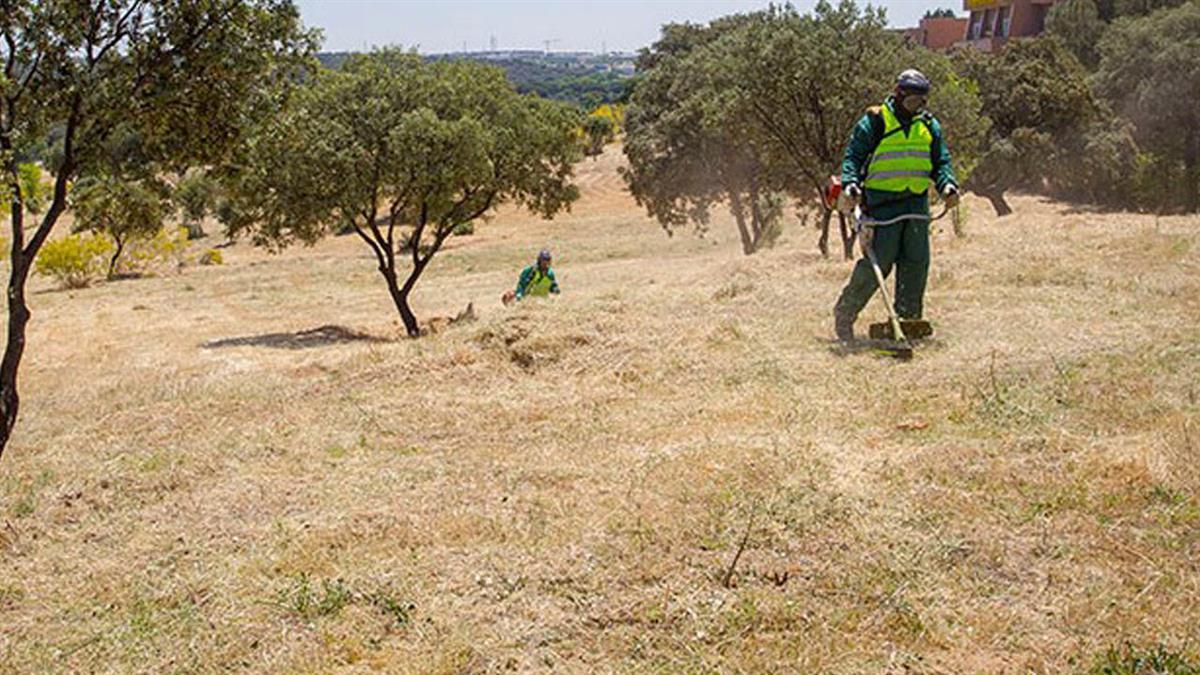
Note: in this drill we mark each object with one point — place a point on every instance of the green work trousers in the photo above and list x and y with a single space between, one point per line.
904 245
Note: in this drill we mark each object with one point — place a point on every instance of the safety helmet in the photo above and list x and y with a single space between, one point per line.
913 81
544 254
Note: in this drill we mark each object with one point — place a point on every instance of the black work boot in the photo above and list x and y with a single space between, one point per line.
843 326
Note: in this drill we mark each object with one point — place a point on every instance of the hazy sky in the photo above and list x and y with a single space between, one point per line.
574 25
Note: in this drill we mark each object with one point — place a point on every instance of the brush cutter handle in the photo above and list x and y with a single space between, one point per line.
867 222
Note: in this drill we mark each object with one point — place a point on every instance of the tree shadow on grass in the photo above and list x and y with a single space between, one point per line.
306 339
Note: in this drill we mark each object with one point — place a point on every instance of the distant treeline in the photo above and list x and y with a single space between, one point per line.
585 86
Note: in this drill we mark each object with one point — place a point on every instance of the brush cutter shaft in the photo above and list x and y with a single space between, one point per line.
897 331
887 300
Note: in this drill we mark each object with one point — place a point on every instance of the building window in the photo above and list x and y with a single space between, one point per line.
989 23
1004 21
1039 18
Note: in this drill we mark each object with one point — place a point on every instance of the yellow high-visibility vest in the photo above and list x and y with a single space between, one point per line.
539 285
904 160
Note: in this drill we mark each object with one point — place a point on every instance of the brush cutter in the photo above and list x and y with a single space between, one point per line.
900 332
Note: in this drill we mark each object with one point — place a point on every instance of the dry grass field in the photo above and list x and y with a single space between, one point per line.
562 486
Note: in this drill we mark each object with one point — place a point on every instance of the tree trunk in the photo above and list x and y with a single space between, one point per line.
739 215
998 202
400 298
848 236
756 219
823 242
1191 168
112 263
18 318
21 258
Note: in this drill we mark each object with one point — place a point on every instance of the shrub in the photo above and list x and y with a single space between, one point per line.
163 251
33 190
74 261
195 196
211 257
598 131
614 112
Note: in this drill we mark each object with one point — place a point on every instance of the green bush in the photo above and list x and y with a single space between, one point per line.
598 130
161 252
33 189
211 257
74 261
195 196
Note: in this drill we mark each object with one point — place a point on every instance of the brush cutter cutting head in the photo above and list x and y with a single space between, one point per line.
914 329
898 352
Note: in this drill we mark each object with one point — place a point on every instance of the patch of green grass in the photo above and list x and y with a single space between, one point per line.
397 610
1130 659
10 595
310 600
25 502
1011 397
25 505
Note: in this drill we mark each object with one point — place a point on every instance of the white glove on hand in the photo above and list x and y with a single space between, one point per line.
850 197
950 194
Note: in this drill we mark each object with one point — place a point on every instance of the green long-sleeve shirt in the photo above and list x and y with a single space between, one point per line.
863 141
531 274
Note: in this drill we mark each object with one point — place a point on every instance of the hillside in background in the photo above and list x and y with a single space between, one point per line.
584 79
669 468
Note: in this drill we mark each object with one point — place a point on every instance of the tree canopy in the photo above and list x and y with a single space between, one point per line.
763 103
183 77
403 153
1150 70
1035 94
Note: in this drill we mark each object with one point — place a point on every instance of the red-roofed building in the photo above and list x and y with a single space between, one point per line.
938 33
994 22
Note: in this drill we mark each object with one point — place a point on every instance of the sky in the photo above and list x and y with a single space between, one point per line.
571 25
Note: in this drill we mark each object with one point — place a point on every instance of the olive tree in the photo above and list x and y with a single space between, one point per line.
1035 94
686 137
598 130
182 75
403 153
1150 71
122 209
196 196
1078 24
803 86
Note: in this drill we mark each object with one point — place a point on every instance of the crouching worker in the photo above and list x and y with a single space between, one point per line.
537 280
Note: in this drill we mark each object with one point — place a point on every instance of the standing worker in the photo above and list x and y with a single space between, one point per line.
896 154
537 279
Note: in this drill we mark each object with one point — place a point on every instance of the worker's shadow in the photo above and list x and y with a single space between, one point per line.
880 348
305 339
